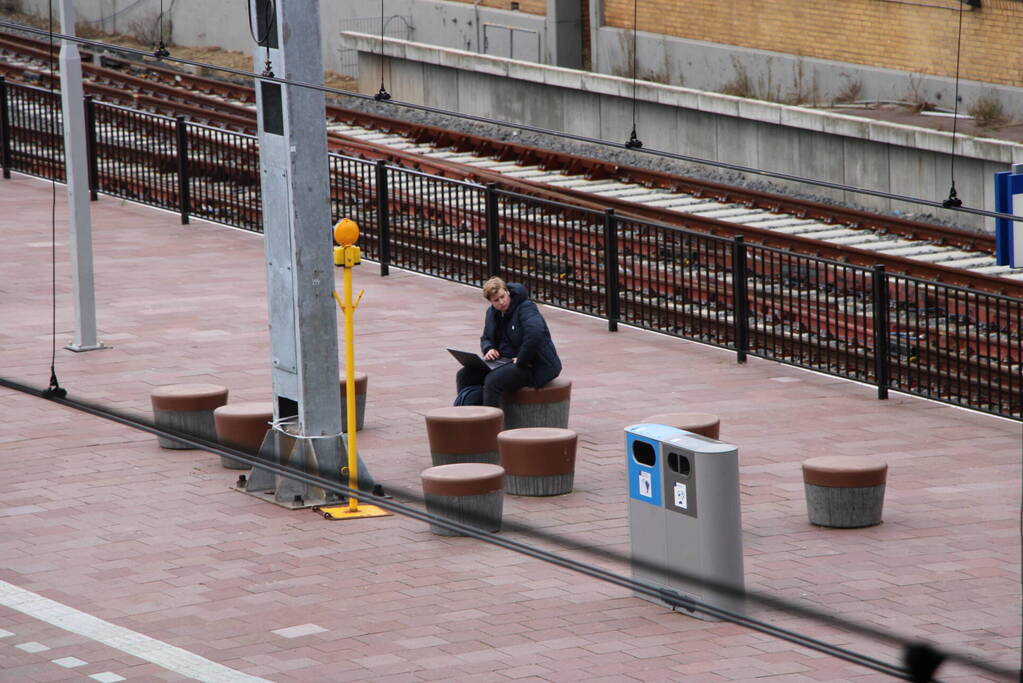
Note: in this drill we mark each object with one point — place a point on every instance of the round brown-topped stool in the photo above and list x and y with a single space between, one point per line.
242 426
544 407
538 461
463 434
471 493
361 385
187 408
703 424
844 491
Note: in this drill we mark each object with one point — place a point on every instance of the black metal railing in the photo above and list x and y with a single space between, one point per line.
810 312
895 332
677 282
33 131
954 345
221 176
436 225
134 154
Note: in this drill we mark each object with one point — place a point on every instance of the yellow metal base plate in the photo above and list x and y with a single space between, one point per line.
342 511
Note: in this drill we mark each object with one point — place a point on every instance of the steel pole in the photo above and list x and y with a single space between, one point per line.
77 171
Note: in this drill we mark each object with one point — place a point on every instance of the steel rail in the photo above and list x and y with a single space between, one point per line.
242 117
573 244
713 226
487 121
557 160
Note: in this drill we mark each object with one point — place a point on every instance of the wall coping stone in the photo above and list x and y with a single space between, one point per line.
987 149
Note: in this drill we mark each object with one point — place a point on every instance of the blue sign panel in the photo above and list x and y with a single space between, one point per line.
643 454
1009 234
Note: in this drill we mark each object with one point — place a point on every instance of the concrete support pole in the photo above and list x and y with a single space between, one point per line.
299 249
77 169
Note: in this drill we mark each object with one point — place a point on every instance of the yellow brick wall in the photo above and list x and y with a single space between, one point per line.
538 7
918 36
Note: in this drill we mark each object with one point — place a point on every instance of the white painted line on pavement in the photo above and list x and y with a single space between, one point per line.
151 650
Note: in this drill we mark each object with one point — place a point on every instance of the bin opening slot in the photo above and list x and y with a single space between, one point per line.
679 464
644 453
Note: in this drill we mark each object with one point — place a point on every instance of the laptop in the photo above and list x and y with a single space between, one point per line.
474 360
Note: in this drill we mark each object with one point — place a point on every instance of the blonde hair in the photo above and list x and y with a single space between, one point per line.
493 287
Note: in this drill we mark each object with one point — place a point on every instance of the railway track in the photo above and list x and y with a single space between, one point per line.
929 251
551 212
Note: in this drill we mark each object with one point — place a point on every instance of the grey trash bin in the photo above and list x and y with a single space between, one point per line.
684 513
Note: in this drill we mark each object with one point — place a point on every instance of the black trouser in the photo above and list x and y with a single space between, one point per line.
508 377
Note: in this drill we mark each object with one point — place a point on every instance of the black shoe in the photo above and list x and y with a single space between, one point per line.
378 491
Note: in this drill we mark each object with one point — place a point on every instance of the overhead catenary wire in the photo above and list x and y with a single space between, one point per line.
633 141
54 389
161 49
328 485
953 199
675 156
918 656
382 94
660 593
270 13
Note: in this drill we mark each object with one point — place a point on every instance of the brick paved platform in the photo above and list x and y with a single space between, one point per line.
158 571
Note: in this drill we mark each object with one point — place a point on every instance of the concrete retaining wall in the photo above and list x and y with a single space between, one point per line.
793 140
781 77
535 38
787 139
223 24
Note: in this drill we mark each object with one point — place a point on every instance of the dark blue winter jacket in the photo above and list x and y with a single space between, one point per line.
521 332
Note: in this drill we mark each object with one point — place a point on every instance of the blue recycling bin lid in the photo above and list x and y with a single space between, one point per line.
642 455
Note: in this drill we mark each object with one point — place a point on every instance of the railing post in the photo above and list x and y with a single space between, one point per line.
383 218
741 304
493 232
5 129
611 290
184 182
882 357
91 147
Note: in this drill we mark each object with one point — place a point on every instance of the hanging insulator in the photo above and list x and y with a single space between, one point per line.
634 142
953 200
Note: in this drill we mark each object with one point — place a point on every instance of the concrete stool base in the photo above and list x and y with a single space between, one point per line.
842 508
482 512
703 424
544 407
550 485
196 422
489 457
538 461
187 408
844 492
469 493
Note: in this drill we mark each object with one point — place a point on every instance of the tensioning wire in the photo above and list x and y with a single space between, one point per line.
528 128
930 653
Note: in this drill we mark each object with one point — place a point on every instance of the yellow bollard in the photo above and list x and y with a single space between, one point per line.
347 256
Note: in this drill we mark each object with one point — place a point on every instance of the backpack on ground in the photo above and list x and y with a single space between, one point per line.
470 396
